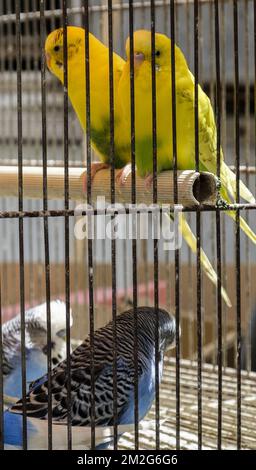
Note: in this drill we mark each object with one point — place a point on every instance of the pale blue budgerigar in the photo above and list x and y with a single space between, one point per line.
35 345
80 373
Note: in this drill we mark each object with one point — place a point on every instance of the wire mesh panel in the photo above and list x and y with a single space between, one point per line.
127 138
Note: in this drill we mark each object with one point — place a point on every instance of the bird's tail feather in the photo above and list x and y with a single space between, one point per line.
190 238
243 225
228 180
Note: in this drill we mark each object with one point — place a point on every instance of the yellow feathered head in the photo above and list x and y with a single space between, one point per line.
54 49
142 51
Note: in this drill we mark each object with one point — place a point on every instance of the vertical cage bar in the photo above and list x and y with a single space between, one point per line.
103 242
28 59
191 319
238 245
113 241
218 228
175 185
124 248
66 219
155 241
247 180
134 219
45 221
167 275
198 233
54 23
201 66
224 146
213 234
89 201
21 226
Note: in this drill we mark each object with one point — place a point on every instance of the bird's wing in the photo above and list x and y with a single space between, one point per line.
207 132
37 398
208 150
208 157
80 382
228 179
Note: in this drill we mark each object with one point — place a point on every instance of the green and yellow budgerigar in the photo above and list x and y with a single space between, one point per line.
185 123
99 89
99 96
185 119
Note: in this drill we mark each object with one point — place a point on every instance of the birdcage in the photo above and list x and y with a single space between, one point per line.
53 231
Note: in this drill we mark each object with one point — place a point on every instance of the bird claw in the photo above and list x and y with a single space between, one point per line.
95 167
148 182
123 174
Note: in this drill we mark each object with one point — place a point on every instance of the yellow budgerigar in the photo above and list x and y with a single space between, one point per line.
99 89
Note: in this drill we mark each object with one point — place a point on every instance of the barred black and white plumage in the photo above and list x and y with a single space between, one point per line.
35 345
80 373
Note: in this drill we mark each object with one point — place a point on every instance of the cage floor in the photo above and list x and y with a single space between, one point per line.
188 410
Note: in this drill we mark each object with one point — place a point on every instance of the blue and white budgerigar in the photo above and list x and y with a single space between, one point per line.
35 345
80 374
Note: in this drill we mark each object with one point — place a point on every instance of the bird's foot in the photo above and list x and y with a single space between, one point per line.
148 181
123 174
95 167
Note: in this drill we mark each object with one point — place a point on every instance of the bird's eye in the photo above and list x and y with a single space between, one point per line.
56 48
157 53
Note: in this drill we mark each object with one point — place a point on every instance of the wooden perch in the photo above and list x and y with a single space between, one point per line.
193 187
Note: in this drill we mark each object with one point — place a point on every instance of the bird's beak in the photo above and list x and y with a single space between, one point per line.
48 59
138 59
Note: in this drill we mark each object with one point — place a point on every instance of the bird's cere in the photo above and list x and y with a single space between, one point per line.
139 58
